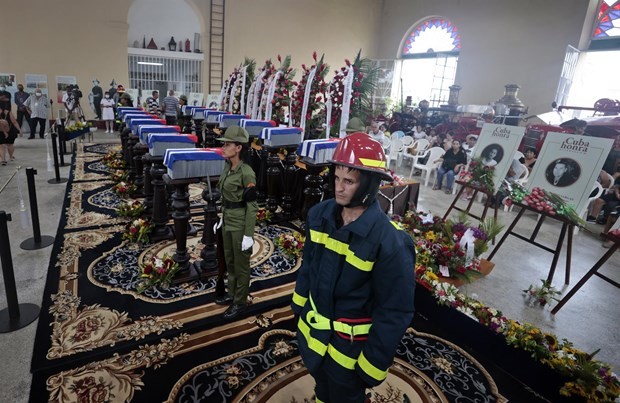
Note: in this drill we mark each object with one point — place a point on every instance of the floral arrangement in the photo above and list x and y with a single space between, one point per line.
269 69
124 189
249 77
451 248
263 216
291 243
364 85
131 209
157 272
591 380
119 175
138 230
315 112
228 85
282 96
543 201
479 174
113 160
78 126
541 295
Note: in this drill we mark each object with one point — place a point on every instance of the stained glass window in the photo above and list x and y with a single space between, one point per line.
608 20
432 36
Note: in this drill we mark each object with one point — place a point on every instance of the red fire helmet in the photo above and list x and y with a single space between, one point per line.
358 150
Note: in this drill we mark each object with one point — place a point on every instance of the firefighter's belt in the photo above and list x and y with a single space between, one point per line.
320 322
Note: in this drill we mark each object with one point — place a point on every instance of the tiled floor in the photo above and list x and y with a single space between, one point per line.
590 319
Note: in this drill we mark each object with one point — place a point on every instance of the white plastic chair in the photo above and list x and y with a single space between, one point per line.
433 154
420 147
386 145
398 134
396 147
519 155
407 142
584 212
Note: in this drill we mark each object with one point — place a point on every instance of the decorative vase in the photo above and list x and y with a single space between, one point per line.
187 45
197 42
152 44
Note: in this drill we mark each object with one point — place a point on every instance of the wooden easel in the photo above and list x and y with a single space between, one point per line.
567 228
593 272
476 189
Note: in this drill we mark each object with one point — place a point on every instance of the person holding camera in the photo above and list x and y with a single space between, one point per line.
36 106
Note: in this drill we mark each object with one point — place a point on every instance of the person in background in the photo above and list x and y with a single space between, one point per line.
354 125
515 172
375 133
5 98
237 186
452 162
607 203
152 103
97 94
181 118
530 158
419 133
8 134
470 144
120 90
354 296
580 127
107 112
170 108
20 97
36 105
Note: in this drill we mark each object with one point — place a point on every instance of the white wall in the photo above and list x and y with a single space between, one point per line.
503 41
160 20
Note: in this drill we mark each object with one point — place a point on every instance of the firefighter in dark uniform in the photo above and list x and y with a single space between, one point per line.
354 291
237 185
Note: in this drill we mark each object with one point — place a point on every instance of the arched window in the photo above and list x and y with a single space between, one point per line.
432 36
430 55
606 33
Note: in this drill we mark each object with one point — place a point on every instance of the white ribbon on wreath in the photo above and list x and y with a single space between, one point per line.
304 109
248 106
271 93
233 91
346 102
242 99
220 98
263 98
467 244
257 93
328 114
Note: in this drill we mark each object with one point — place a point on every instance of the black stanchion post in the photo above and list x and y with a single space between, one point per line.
58 179
61 150
16 315
38 241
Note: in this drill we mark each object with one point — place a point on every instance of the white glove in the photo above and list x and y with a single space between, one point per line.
247 242
217 225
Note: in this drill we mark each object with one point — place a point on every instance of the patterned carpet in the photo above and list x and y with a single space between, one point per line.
98 340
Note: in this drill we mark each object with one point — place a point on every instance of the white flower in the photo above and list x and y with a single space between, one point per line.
427 219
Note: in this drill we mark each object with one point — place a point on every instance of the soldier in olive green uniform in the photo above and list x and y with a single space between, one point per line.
237 186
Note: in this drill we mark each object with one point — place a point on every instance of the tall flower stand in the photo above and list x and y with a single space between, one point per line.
477 189
593 272
567 229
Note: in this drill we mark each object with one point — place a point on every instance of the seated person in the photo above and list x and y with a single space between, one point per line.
530 159
375 133
452 162
470 144
418 133
608 203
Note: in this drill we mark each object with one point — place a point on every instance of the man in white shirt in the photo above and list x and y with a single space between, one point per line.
375 133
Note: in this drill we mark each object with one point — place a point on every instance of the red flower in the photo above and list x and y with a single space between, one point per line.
314 55
148 269
280 58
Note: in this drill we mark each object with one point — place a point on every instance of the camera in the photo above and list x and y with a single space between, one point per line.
74 91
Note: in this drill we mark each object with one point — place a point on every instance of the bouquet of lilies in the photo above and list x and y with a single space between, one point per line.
124 189
131 209
138 230
291 243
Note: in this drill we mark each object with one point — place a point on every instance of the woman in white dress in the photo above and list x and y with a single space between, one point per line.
107 112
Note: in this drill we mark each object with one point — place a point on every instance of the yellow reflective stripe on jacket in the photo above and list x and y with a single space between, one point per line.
342 249
397 225
299 300
320 322
370 369
320 348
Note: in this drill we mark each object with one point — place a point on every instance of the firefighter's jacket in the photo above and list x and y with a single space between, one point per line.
361 273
